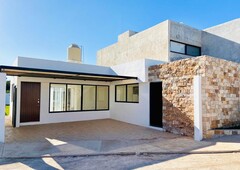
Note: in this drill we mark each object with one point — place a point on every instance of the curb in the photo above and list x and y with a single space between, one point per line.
123 154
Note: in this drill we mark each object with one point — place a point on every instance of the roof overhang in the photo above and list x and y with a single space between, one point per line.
58 74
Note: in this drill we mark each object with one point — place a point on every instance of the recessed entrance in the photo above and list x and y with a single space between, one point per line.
156 104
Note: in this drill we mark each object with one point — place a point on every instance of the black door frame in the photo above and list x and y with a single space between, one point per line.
14 105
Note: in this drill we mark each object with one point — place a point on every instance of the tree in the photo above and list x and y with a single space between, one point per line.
8 86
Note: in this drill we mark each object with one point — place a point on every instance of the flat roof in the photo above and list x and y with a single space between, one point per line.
58 74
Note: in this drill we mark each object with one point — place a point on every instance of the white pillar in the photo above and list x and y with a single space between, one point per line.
2 106
198 132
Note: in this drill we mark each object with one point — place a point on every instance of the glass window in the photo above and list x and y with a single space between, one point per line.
102 97
73 97
127 93
121 93
132 93
57 97
193 51
89 97
177 47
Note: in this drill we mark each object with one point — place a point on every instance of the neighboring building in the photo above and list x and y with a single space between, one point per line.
170 41
135 81
228 30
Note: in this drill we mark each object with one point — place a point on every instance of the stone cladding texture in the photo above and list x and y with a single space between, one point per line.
220 93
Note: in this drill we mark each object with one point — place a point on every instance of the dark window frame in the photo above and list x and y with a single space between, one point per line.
185 48
126 101
81 98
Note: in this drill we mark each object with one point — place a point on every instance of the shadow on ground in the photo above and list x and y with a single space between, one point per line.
69 144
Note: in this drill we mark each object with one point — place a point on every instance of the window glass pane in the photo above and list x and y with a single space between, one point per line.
193 51
102 97
73 97
89 97
132 93
177 47
121 93
57 97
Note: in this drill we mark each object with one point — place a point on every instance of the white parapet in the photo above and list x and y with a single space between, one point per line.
2 106
198 132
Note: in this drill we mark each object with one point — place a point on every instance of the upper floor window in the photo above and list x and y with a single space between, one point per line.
185 49
177 47
193 51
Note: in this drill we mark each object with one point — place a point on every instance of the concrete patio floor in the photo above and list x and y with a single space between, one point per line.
106 129
102 137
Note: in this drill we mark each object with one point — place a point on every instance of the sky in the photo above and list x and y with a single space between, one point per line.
45 28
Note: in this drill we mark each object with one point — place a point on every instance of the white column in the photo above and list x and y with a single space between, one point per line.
198 132
2 106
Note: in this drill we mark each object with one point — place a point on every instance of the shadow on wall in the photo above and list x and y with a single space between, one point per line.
176 121
213 46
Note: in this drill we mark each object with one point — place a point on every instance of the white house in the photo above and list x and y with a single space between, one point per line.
46 91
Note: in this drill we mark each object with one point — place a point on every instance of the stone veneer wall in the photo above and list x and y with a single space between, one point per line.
220 93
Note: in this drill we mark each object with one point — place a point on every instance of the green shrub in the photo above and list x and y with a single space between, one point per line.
6 110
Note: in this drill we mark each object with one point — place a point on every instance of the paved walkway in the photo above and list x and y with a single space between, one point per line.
103 137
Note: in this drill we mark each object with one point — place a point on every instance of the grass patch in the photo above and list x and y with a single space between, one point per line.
6 110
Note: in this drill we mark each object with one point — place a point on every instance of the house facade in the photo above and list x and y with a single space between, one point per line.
154 78
170 41
79 92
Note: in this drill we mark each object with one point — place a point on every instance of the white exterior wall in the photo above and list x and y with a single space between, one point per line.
134 113
45 116
198 131
2 106
138 68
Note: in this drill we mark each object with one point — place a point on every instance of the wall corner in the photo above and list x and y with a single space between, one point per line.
198 130
2 106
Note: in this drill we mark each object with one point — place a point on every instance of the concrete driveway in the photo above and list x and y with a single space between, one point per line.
106 129
98 137
106 139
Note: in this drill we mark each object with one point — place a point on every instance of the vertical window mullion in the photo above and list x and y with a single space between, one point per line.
66 97
96 97
108 98
185 50
115 93
126 92
81 97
